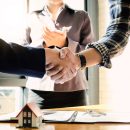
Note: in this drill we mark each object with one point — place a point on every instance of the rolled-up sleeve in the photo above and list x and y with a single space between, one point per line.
116 37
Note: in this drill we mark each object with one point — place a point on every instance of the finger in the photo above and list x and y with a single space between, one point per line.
58 75
68 76
63 79
55 33
63 53
60 81
46 36
54 71
74 72
49 66
50 38
47 31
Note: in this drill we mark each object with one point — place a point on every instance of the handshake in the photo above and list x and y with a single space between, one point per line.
61 64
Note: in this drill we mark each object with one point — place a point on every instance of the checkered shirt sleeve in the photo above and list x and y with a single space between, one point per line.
117 33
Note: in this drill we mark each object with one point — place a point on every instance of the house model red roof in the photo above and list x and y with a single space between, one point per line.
34 108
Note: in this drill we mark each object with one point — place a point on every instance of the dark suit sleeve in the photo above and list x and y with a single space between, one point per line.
16 59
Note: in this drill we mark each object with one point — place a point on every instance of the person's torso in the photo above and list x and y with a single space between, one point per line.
73 20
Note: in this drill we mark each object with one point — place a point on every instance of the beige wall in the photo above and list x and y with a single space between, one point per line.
38 4
114 82
103 23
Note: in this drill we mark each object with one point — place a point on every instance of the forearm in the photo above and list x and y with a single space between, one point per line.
52 55
20 60
116 37
93 57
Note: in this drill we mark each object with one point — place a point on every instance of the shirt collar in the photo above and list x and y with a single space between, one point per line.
47 12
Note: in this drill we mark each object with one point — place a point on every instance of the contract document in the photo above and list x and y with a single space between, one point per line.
90 116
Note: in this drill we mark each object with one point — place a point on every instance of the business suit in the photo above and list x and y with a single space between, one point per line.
16 59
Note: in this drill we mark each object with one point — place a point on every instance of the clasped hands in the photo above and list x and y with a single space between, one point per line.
61 64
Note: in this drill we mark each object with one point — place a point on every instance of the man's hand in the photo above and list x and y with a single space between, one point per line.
56 37
64 68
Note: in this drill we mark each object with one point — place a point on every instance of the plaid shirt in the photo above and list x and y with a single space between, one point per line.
116 37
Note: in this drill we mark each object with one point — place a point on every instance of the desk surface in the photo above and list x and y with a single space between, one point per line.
59 126
98 126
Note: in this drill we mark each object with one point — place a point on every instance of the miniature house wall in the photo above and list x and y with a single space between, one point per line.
30 116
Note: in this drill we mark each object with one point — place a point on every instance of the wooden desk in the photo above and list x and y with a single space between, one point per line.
98 126
64 126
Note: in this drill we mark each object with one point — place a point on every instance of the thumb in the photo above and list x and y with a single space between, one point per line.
63 52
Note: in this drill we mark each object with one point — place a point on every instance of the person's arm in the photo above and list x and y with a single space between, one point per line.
20 60
61 67
28 61
110 45
116 37
60 74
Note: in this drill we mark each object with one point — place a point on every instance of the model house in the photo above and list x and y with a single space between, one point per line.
30 116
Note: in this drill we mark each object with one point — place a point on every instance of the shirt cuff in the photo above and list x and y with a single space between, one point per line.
104 51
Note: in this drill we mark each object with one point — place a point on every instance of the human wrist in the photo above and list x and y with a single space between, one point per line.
81 61
47 55
78 63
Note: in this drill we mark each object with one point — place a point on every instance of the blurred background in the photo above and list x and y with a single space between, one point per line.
106 86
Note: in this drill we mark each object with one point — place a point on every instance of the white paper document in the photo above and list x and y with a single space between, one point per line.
8 117
85 117
90 116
